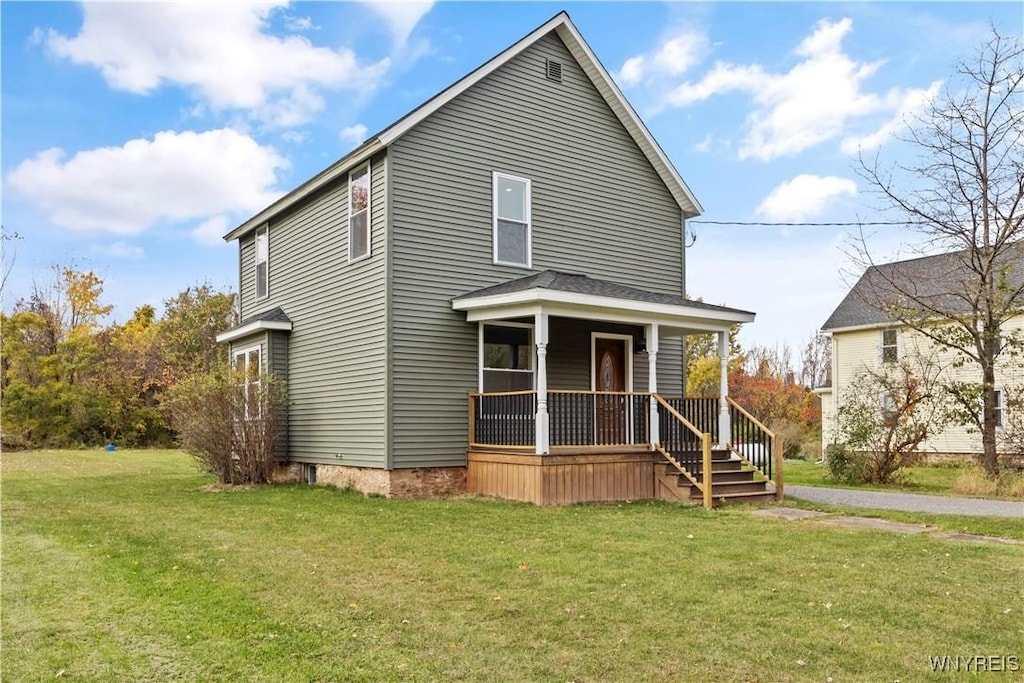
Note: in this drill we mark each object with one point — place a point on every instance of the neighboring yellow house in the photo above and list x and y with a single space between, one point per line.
865 338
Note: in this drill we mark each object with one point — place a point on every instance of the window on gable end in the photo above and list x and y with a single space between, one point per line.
511 220
359 213
262 262
890 346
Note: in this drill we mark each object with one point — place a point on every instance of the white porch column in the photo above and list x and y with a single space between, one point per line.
724 429
540 332
651 332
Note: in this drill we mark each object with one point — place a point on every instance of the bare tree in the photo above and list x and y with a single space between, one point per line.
816 362
964 192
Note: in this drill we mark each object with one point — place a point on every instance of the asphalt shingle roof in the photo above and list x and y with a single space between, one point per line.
581 284
943 280
276 315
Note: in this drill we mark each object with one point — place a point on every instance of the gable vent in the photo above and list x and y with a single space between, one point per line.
554 70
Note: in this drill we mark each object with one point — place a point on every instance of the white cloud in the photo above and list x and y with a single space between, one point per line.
294 137
119 250
353 134
401 17
173 177
704 146
211 231
797 109
674 56
906 102
804 197
219 51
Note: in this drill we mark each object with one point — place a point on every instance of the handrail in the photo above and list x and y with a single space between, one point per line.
774 460
750 417
676 414
705 447
503 393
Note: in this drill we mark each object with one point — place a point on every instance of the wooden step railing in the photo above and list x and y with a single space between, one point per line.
756 445
677 436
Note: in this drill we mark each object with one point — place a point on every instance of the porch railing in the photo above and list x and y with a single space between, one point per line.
507 419
575 418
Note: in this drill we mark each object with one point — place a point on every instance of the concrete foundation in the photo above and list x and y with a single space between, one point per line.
419 482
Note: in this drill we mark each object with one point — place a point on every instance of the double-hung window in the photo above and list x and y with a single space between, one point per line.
262 262
998 408
507 358
511 220
359 213
890 346
248 365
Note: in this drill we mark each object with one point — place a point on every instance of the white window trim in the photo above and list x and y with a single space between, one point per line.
628 338
265 229
1000 407
245 351
882 346
369 212
494 220
480 350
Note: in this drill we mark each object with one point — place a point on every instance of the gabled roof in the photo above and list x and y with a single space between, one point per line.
939 279
570 35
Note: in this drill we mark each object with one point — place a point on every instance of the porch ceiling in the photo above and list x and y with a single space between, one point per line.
578 296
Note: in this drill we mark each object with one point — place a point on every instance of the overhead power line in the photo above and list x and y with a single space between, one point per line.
766 223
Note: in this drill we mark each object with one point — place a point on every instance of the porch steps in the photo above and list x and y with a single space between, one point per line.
731 481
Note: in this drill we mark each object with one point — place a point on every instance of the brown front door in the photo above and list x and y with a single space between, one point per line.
610 375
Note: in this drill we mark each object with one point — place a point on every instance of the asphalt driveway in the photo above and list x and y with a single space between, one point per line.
910 502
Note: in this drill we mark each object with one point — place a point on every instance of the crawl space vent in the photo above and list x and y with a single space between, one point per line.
554 70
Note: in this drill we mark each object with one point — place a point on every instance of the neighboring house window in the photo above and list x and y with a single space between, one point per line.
998 409
262 262
511 220
890 351
887 406
359 213
248 364
507 358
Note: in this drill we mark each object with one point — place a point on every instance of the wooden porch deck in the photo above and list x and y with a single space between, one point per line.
565 476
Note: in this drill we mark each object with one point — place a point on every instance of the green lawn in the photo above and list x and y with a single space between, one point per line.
929 479
128 566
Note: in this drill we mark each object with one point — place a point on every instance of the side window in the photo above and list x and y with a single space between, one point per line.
511 220
890 346
359 213
248 366
999 407
262 262
507 358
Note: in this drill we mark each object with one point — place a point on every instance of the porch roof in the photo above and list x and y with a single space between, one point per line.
274 319
578 296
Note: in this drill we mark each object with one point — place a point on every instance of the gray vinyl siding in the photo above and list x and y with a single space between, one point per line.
336 355
569 349
598 208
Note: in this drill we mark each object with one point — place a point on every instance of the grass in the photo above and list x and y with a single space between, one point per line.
128 566
942 480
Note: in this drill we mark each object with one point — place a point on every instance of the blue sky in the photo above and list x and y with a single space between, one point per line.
136 134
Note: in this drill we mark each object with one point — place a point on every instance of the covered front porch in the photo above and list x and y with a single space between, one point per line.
568 407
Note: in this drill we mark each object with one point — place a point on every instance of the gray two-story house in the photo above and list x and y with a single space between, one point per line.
488 295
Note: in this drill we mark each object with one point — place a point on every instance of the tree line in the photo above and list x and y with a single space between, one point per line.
69 380
770 382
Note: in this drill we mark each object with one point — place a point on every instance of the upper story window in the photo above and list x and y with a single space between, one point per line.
359 213
890 346
262 262
511 220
